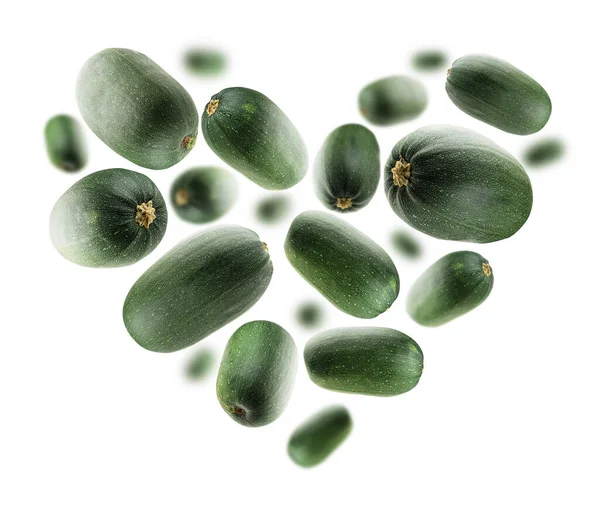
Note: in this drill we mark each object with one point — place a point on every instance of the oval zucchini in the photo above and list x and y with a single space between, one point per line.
65 143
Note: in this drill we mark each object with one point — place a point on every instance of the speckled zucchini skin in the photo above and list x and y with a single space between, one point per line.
495 92
196 288
347 169
347 267
65 143
313 441
454 285
392 100
254 136
257 373
136 108
98 223
452 183
364 360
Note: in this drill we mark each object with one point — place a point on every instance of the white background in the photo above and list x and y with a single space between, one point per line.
505 412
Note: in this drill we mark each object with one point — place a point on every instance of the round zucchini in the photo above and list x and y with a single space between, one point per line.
136 108
499 94
454 285
364 360
251 134
451 183
109 218
392 100
203 194
319 436
200 285
347 267
257 373
310 314
347 168
65 143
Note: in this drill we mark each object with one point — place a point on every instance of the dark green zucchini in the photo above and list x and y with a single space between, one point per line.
317 438
200 364
454 285
544 152
203 194
451 183
364 360
136 108
257 373
392 100
429 59
205 61
347 168
251 134
347 267
196 288
110 218
499 94
273 209
65 143
310 314
406 244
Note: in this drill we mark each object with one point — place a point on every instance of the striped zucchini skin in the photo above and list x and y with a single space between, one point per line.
499 94
257 373
347 168
251 134
349 269
364 360
200 285
452 183
136 108
65 143
454 285
110 218
318 437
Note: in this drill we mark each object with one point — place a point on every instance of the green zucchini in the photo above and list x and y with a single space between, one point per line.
429 59
200 285
451 183
406 244
273 209
251 134
136 108
310 314
257 373
347 267
109 218
499 94
392 100
364 360
65 143
347 168
317 438
200 364
544 152
203 194
454 285
205 61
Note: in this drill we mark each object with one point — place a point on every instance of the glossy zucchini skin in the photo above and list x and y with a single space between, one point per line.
318 437
251 134
200 285
257 373
364 360
452 183
110 218
347 168
392 100
65 143
499 94
454 285
136 108
203 194
347 267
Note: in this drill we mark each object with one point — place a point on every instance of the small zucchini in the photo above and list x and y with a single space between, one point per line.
347 168
65 143
544 152
310 314
109 218
428 60
319 436
454 285
205 61
200 364
499 94
364 360
257 373
273 209
406 244
203 194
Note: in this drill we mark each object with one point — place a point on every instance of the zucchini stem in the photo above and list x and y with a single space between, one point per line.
487 270
182 197
145 214
401 173
343 203
212 107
